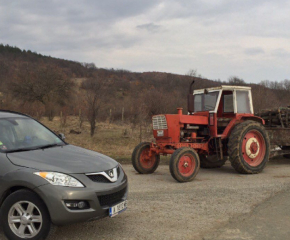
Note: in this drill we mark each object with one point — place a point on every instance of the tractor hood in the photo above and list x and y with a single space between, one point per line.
200 118
194 119
63 159
167 127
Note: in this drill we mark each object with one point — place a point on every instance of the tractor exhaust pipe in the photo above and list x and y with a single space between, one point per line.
191 88
190 99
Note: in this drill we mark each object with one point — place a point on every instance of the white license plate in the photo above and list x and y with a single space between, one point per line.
120 207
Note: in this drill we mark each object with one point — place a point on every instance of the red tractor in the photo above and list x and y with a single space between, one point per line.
220 125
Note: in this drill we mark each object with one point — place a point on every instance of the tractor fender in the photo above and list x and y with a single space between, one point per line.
238 120
253 118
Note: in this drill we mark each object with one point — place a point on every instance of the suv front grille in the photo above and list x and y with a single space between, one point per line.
159 122
98 178
101 178
110 199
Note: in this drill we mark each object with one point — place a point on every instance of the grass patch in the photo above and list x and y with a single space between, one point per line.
109 139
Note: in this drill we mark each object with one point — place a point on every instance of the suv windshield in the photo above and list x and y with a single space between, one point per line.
23 134
205 102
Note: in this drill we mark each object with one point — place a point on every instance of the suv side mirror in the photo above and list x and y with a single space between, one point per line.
62 136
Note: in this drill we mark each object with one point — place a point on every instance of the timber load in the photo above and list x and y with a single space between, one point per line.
279 117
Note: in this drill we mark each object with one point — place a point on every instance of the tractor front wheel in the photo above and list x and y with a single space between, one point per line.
184 164
142 162
211 161
249 147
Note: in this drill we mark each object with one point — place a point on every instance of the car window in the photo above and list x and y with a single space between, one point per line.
16 133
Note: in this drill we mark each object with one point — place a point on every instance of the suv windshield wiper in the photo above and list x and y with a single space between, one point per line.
49 145
33 148
20 150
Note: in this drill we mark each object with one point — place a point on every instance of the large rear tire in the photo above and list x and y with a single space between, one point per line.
207 161
249 147
184 164
142 162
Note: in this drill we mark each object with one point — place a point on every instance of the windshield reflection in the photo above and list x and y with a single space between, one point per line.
205 102
22 134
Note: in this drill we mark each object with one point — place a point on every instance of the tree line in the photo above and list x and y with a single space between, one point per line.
44 86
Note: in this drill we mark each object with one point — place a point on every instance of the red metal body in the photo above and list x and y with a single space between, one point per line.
200 127
218 125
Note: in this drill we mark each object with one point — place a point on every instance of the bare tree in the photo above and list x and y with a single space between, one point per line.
193 73
140 113
89 65
96 93
237 81
47 85
286 84
263 98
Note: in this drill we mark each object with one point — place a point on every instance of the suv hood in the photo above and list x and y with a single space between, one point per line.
64 159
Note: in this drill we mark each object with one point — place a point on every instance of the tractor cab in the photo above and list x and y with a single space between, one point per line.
224 100
221 104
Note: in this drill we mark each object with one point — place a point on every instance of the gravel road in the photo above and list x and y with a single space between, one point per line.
161 208
268 221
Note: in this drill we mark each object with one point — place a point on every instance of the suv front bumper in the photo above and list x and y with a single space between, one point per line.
100 198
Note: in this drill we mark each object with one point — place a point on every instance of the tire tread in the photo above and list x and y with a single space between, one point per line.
135 159
174 159
236 160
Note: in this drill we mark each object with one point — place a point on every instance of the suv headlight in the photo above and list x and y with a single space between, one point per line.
60 179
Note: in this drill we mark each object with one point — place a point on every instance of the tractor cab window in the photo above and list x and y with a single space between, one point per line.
243 102
205 102
228 103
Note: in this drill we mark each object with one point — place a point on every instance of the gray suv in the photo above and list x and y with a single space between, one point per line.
45 181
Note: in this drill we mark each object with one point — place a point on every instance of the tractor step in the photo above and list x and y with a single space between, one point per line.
219 148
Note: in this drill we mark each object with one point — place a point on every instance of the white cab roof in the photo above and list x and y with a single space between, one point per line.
223 87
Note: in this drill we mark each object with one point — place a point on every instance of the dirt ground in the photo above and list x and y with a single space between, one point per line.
161 208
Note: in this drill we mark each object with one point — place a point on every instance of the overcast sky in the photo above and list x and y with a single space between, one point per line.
219 38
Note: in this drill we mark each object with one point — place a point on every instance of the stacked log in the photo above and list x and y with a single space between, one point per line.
279 117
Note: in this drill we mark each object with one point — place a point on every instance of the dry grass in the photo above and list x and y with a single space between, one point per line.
109 139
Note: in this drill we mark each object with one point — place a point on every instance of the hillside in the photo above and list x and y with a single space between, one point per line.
43 85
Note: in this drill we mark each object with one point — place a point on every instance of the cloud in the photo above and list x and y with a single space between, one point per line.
151 27
218 38
254 51
281 53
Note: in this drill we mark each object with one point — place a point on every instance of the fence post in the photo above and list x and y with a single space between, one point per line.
80 119
61 124
123 110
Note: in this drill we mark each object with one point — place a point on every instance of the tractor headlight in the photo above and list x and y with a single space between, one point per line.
60 179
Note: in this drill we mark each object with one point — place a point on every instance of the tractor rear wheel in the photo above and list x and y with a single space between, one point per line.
249 147
142 162
184 164
211 161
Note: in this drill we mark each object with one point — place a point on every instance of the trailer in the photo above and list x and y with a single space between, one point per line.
277 124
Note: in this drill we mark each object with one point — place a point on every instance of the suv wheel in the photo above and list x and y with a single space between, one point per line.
24 216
